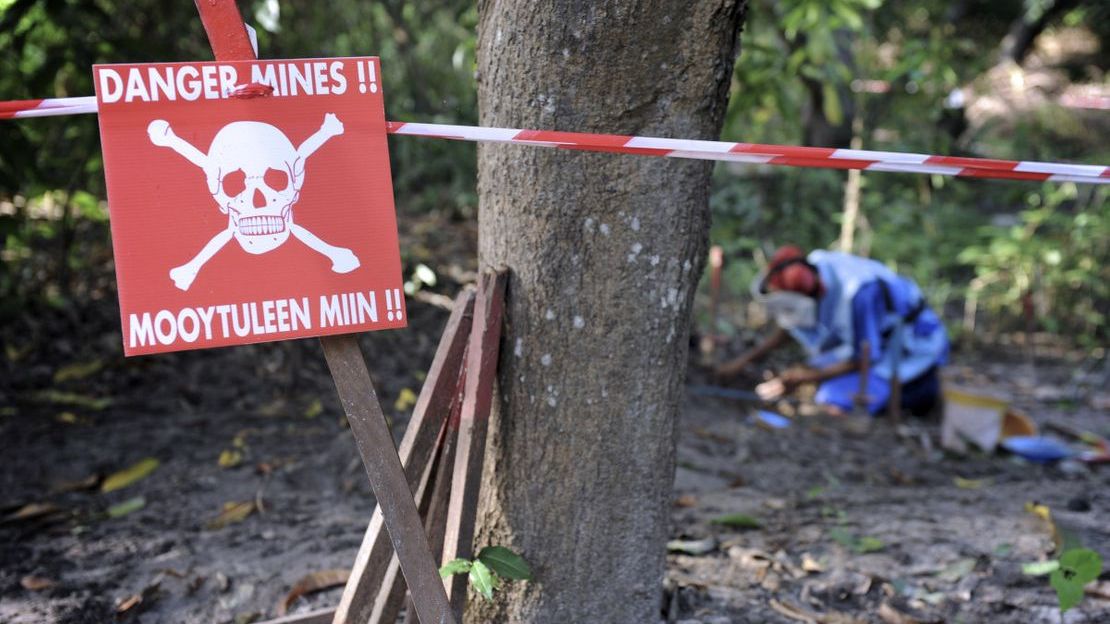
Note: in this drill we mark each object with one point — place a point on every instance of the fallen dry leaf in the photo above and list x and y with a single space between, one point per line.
686 500
778 504
1100 590
693 547
87 483
36 583
77 371
405 400
128 603
129 475
72 399
233 512
32 511
230 458
802 614
312 582
771 582
314 409
68 418
809 564
147 596
971 484
794 613
890 614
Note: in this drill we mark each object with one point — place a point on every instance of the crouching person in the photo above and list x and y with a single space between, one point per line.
834 305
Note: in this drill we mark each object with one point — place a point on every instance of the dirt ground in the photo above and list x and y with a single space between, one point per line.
873 527
867 527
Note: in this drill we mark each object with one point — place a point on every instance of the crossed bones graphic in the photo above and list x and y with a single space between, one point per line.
255 175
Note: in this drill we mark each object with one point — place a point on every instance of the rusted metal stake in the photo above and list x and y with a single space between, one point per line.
862 399
435 520
716 263
894 405
481 368
387 477
418 447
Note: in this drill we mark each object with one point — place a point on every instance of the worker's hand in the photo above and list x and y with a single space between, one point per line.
785 383
771 390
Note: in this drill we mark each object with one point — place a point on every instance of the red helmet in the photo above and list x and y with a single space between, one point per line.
789 270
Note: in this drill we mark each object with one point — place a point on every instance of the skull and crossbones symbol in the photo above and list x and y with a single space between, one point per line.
255 175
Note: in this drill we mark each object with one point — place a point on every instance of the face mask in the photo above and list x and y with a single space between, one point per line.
791 310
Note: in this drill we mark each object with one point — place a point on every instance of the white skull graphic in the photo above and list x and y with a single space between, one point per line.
255 174
257 169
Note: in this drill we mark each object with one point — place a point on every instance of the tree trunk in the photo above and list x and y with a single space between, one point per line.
604 251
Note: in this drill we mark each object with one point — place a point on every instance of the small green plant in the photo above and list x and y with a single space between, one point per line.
1068 574
485 572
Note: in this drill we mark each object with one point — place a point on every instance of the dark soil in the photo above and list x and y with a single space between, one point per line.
853 526
867 527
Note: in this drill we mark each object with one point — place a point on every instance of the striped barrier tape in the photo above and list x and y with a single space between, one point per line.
48 107
829 158
754 153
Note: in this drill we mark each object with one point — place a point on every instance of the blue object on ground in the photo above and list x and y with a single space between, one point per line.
1039 449
772 419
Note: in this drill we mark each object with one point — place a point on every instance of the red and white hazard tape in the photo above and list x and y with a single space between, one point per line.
828 158
819 157
48 107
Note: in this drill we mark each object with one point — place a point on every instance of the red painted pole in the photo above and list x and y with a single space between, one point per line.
227 34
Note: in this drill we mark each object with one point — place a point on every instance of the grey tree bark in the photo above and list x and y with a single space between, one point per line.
605 252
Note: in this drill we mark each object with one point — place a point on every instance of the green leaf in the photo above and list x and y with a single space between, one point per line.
738 521
482 579
1040 568
505 563
1084 562
128 506
1078 567
451 568
1068 592
127 476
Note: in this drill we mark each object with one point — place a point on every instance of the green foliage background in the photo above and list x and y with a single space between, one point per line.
1029 255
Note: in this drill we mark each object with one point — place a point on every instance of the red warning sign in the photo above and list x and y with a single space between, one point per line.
250 201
